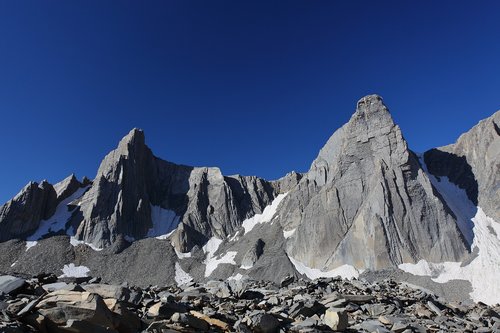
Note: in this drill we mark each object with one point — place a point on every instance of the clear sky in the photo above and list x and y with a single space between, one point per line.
254 87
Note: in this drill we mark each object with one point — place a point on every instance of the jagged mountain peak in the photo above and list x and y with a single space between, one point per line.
368 139
370 105
134 137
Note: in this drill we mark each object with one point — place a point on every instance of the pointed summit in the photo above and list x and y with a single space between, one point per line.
134 141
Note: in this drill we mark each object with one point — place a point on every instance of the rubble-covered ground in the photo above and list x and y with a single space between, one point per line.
49 304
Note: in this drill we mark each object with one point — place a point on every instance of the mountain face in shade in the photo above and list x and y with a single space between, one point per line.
366 203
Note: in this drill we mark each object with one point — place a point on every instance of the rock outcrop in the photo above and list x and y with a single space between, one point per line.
473 163
21 215
134 190
366 201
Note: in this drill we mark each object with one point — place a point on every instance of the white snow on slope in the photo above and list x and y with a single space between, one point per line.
164 222
182 255
266 215
74 271
483 271
236 277
181 277
30 244
75 242
57 222
211 262
457 200
344 271
289 233
246 266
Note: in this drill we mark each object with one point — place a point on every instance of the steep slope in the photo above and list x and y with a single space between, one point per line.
366 201
137 195
466 175
473 163
34 204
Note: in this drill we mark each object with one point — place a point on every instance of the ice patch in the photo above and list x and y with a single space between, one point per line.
30 244
181 277
74 271
344 271
457 200
57 222
266 215
164 222
289 233
75 242
211 262
211 246
482 272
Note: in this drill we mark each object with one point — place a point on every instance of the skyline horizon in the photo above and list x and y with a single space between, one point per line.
80 177
254 88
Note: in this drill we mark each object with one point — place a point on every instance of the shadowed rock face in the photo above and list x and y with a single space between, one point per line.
21 216
366 201
473 163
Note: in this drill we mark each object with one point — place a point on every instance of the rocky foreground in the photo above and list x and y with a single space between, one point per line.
50 304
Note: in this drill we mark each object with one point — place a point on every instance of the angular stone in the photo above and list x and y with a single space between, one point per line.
336 319
265 323
9 284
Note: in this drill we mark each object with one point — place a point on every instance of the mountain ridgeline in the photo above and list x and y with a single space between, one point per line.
367 203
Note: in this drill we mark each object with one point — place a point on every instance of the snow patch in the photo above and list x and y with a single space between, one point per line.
30 244
246 266
74 271
57 222
482 272
164 222
236 277
289 233
75 242
211 261
182 255
181 277
266 215
344 271
13 264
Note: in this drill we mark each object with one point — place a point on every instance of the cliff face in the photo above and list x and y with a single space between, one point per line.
473 163
367 202
134 192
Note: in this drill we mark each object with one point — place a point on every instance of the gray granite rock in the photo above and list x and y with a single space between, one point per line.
21 216
367 202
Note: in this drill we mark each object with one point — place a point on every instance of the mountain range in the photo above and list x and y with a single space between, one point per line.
367 204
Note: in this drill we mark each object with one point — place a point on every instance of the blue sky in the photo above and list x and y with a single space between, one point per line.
254 87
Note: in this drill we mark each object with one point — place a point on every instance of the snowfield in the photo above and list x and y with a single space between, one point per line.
181 277
482 272
164 222
57 222
211 261
266 215
481 231
344 271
